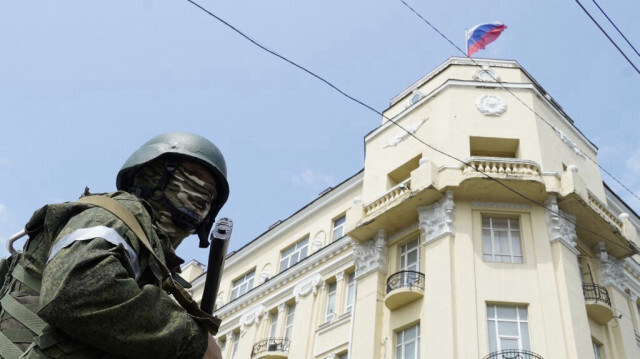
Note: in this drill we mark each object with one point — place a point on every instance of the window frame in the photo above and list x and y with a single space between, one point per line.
340 226
523 339
350 296
491 241
330 312
288 321
296 250
401 343
240 282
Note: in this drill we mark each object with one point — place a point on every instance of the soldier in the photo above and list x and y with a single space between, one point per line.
100 293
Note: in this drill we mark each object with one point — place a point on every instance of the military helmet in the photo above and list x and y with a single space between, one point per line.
181 145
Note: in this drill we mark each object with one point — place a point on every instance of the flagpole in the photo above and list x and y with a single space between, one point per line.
466 42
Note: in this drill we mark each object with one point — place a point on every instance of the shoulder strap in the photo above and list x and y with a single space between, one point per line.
130 221
179 293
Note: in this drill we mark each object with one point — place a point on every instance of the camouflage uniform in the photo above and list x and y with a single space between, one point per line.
90 291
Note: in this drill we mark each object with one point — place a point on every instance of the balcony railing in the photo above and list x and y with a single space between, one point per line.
513 354
507 166
280 345
405 279
395 193
596 293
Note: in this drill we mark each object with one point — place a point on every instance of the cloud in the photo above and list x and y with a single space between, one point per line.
310 179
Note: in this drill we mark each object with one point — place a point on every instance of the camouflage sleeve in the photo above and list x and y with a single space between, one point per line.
89 293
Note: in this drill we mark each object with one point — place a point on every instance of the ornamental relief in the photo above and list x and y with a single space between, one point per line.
491 105
307 286
436 220
371 255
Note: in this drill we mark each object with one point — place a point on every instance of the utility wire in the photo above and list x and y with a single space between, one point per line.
516 97
616 27
392 121
608 37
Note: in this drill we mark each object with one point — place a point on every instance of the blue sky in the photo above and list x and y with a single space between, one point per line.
84 84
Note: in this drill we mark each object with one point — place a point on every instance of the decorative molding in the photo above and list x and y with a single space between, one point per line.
339 276
281 307
501 205
402 135
611 269
307 286
252 316
561 225
265 274
568 142
318 241
436 220
486 75
491 105
371 255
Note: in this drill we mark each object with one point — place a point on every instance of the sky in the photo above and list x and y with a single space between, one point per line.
84 84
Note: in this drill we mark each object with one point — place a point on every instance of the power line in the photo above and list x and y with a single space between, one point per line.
616 27
516 97
608 37
391 120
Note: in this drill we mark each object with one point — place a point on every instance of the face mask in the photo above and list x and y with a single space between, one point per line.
185 191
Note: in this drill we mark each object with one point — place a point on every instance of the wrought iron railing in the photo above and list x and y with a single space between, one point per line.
271 345
596 292
405 279
513 354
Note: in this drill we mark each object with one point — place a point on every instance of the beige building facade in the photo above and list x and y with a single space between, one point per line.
480 227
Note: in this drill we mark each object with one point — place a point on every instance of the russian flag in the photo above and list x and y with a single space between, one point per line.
481 35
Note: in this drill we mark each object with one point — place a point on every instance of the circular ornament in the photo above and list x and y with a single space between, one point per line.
491 105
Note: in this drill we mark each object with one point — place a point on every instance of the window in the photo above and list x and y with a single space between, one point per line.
338 228
501 239
408 343
331 302
242 285
236 339
223 345
288 325
273 324
343 356
410 256
597 350
294 254
508 328
351 292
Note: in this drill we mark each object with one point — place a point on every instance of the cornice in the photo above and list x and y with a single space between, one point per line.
295 220
287 277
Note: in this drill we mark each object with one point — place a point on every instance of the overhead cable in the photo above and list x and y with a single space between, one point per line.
558 213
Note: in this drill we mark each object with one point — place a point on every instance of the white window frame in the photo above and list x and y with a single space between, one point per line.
273 325
288 325
236 338
331 301
597 350
351 292
496 323
242 285
338 228
402 343
490 240
405 251
294 254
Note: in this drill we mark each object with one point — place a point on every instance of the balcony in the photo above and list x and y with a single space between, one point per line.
496 166
404 287
513 354
598 303
272 348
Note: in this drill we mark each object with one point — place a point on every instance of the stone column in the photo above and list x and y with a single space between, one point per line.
562 235
371 270
436 224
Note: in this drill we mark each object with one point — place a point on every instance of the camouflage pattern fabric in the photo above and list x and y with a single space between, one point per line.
90 299
184 189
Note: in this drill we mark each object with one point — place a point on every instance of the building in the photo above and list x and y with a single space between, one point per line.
480 227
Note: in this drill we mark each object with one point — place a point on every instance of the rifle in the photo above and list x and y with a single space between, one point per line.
217 252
